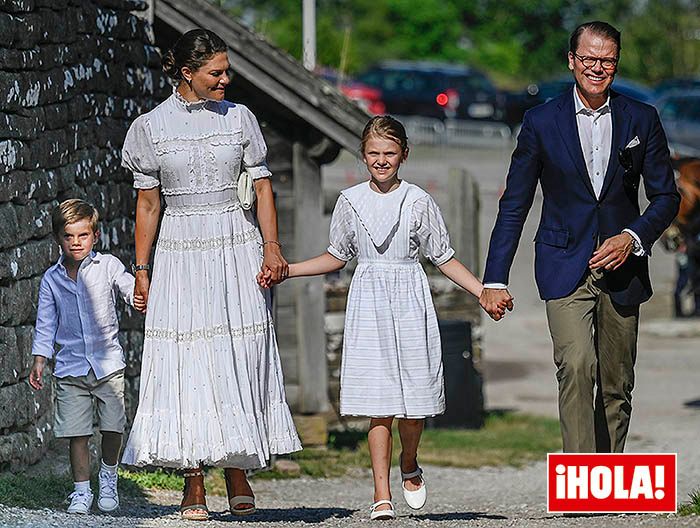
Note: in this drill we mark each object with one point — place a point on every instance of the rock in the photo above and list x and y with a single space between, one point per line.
287 467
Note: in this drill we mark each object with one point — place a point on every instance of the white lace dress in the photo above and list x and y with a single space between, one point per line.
211 388
392 359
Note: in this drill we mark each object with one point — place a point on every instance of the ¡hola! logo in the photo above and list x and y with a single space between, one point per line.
611 483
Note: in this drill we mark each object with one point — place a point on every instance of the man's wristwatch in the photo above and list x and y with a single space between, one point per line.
139 267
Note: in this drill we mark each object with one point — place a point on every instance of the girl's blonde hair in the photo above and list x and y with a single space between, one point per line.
386 127
71 211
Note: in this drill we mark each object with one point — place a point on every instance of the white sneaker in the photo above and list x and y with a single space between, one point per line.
80 502
108 499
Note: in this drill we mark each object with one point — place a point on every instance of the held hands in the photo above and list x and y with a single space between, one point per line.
274 269
612 253
495 302
35 375
141 291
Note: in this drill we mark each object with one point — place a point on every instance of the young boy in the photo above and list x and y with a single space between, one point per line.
77 312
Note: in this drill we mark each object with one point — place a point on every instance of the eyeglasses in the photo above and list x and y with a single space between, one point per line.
589 62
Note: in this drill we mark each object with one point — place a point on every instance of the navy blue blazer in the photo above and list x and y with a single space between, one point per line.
573 220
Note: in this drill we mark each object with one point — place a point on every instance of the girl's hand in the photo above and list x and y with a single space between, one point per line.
35 375
141 291
264 279
274 262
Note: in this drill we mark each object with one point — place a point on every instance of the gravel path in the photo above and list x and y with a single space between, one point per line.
489 497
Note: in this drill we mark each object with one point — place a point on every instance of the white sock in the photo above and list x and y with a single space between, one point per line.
82 487
108 469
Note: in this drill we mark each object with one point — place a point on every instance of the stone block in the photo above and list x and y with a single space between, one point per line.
8 221
25 337
20 30
30 259
13 126
13 155
26 215
9 356
312 429
28 446
23 186
18 301
17 405
16 59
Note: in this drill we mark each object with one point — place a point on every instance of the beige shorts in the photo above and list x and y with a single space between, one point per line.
74 396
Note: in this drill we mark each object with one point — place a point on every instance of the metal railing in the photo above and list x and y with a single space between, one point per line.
456 132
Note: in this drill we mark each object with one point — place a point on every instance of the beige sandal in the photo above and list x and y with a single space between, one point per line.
194 497
237 500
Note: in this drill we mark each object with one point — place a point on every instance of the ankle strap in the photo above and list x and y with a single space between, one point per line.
417 473
380 502
197 473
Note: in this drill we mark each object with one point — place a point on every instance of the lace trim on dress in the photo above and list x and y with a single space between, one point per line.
189 105
223 330
188 210
164 145
205 244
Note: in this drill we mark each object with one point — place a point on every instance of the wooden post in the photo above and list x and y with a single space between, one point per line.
463 218
309 241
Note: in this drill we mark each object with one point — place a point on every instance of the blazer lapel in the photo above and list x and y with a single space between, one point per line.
620 131
569 131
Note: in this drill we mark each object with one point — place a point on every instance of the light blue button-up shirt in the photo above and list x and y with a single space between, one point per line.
81 318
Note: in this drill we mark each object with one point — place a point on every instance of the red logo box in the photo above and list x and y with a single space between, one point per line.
611 483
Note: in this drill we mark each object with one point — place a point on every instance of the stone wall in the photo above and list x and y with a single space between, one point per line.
73 75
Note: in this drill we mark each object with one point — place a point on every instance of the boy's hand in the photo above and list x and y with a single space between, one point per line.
141 290
35 375
140 303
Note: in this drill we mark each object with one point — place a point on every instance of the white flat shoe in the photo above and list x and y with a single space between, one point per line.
382 515
415 499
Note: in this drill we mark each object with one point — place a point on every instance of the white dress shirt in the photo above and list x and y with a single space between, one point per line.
80 316
595 136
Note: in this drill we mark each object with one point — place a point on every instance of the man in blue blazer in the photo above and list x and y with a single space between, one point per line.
588 149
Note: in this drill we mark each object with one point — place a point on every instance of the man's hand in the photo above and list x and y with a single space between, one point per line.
612 253
35 379
495 301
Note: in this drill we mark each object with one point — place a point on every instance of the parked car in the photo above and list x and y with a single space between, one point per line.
367 97
518 103
677 83
680 116
436 90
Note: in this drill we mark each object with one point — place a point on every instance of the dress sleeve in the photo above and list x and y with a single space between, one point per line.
254 147
139 157
343 239
431 231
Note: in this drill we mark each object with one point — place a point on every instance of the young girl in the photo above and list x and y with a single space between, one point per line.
392 366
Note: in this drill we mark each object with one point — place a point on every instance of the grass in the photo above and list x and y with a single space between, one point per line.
505 439
692 507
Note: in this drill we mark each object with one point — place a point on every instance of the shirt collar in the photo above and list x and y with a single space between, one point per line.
583 109
189 106
92 257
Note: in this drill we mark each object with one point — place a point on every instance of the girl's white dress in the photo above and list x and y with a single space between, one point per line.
392 360
211 388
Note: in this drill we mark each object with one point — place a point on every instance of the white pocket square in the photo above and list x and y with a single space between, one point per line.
633 143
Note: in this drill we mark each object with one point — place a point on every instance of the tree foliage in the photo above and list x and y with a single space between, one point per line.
517 41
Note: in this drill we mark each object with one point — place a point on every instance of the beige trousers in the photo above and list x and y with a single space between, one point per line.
595 348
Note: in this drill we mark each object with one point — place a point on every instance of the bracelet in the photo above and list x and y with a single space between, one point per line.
272 242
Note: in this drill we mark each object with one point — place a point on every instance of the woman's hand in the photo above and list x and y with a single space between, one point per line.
141 291
274 263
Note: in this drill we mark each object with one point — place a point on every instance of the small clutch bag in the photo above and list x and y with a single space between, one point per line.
245 190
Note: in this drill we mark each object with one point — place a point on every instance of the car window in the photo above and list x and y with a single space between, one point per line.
470 83
674 108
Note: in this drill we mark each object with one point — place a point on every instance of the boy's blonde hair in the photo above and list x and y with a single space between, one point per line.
387 127
71 211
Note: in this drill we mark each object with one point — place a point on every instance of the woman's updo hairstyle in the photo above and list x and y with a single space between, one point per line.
385 126
192 50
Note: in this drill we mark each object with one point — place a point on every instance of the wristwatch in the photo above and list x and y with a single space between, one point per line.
139 267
